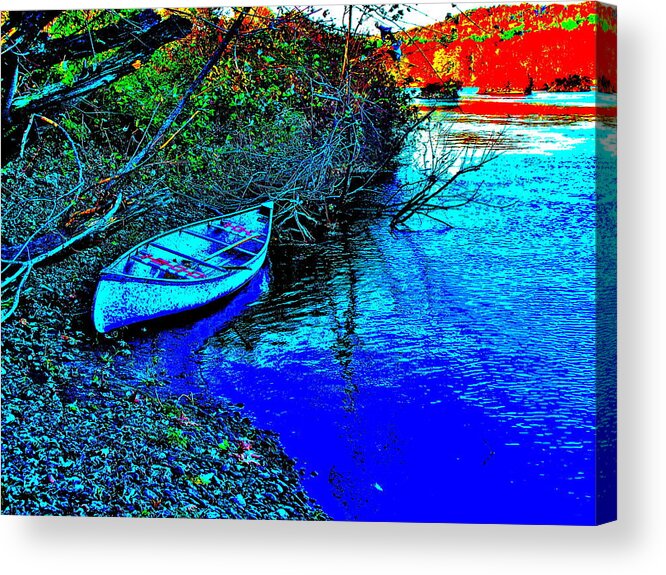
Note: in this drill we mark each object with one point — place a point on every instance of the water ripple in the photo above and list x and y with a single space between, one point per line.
466 355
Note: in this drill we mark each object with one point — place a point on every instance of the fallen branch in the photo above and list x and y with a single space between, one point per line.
50 51
76 190
26 267
69 140
140 49
17 295
420 202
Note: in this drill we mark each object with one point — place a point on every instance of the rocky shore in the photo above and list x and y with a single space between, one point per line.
79 439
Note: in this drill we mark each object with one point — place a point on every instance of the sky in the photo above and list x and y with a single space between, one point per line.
418 15
421 14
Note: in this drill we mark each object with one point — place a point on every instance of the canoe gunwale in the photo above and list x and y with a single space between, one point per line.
108 273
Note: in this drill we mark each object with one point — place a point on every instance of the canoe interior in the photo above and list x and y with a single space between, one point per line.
211 249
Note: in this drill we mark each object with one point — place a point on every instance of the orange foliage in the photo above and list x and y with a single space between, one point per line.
517 47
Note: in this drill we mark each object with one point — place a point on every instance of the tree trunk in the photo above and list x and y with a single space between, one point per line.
46 52
140 36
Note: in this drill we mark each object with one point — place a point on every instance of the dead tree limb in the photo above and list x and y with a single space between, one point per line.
27 49
23 274
440 180
46 52
104 73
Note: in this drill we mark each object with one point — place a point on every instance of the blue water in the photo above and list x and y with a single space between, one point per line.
436 375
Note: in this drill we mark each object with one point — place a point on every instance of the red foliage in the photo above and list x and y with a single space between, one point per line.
516 47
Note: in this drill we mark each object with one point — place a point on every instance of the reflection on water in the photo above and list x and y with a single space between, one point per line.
435 375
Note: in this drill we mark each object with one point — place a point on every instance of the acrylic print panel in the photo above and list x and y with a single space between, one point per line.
390 292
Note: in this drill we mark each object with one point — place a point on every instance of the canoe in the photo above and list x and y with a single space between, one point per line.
183 269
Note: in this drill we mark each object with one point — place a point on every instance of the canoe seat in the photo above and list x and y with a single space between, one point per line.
259 235
188 257
205 237
235 246
165 268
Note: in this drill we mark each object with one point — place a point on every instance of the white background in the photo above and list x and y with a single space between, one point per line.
633 545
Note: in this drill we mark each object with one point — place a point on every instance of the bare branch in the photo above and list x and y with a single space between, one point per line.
439 161
24 272
91 42
94 77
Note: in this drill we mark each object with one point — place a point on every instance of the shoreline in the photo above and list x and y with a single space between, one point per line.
538 103
500 108
81 438
97 446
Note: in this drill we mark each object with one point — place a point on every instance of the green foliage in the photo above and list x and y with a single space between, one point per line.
175 436
170 409
508 34
205 478
479 37
569 24
71 22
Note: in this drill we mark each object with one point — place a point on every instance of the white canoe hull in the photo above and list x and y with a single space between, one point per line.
122 299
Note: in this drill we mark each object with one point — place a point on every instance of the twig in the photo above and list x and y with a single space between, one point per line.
179 130
427 215
8 314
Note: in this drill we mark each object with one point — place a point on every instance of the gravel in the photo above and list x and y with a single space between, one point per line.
79 439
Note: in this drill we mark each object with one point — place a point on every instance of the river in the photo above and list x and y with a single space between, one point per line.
441 374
